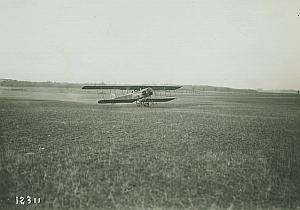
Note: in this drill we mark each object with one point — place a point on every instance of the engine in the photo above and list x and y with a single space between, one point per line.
147 92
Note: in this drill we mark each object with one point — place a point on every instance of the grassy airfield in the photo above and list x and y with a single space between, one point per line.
216 150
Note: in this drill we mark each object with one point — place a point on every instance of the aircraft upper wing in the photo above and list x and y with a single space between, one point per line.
132 87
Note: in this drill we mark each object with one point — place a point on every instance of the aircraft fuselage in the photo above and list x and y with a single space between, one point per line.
143 93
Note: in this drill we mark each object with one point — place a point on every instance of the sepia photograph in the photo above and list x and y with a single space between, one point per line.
149 105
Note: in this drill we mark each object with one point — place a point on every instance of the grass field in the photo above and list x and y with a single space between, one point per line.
236 151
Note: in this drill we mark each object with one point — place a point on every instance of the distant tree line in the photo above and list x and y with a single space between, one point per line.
193 89
16 83
205 88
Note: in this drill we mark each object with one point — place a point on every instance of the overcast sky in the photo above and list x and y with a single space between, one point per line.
234 43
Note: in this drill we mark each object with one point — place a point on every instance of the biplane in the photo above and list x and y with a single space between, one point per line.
143 95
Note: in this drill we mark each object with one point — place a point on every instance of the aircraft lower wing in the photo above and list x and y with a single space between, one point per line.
158 99
146 100
116 101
